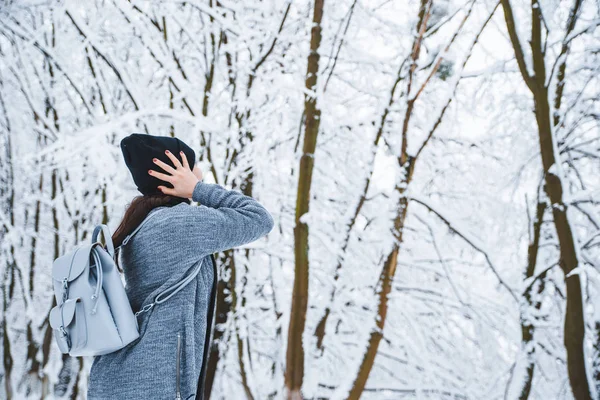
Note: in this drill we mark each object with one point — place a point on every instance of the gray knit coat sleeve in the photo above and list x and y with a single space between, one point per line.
159 256
223 219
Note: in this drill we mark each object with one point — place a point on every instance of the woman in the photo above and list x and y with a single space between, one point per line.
168 360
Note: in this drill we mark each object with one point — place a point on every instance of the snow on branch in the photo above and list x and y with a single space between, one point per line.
473 242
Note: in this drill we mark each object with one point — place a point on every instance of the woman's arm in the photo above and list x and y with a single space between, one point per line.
224 219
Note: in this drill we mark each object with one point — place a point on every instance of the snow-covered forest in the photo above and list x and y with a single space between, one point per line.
432 167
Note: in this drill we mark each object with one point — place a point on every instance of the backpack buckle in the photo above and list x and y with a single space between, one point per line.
65 289
146 308
64 334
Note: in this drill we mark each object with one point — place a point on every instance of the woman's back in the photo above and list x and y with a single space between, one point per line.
165 250
152 256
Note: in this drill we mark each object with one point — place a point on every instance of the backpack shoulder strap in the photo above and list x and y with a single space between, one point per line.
174 288
128 237
179 285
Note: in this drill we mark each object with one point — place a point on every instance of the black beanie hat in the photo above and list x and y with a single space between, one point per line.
138 151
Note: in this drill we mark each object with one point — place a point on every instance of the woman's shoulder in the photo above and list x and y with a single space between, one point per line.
183 211
181 223
170 208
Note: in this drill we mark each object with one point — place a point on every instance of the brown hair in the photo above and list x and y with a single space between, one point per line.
135 213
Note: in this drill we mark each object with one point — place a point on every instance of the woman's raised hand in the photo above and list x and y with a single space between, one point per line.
182 178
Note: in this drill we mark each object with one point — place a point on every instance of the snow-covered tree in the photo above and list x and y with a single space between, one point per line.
431 166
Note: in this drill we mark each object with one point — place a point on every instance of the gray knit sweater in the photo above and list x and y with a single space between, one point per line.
163 251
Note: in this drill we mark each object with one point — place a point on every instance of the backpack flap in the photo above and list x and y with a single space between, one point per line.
72 264
68 322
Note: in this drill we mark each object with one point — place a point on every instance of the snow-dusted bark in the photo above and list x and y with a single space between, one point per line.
547 108
294 366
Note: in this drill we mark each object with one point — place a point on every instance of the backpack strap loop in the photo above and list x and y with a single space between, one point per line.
100 279
107 238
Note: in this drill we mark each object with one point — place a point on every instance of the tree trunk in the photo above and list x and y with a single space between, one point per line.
48 336
406 164
294 371
528 346
384 285
224 287
320 330
7 361
574 324
6 192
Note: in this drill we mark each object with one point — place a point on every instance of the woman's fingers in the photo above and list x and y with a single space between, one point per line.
164 166
185 160
175 160
179 176
162 177
167 190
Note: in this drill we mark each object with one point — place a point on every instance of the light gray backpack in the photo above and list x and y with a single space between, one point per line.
93 315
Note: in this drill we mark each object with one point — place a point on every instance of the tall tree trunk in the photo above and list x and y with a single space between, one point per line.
574 324
384 285
406 164
596 357
6 192
223 308
528 346
294 371
75 392
7 361
32 345
238 304
48 336
320 329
